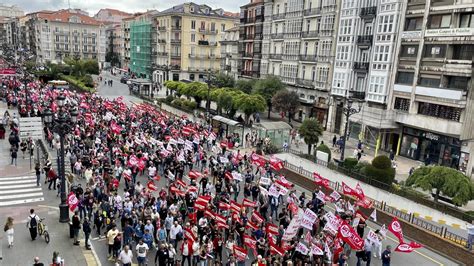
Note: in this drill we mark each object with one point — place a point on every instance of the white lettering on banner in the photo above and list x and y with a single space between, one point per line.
335 195
308 219
373 237
237 176
332 224
302 248
223 159
321 196
273 191
293 227
283 190
315 250
265 181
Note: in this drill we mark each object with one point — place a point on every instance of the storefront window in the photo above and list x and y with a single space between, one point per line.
409 147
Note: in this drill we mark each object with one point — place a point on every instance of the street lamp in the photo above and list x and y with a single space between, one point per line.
62 125
25 84
348 111
208 104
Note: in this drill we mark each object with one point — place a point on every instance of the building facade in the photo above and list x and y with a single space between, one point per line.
10 11
114 44
188 41
66 33
299 46
111 15
9 32
365 54
230 56
432 92
250 39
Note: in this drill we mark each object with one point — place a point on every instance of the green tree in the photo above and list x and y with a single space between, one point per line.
221 80
250 104
267 87
448 181
286 101
311 130
172 85
381 170
227 101
244 85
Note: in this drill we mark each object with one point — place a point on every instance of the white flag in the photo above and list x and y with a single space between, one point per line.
374 215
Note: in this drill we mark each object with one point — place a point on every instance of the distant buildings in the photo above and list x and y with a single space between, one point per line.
10 11
112 16
230 56
9 26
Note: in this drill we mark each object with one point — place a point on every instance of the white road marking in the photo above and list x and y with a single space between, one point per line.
16 202
18 186
16 178
36 194
14 191
2 183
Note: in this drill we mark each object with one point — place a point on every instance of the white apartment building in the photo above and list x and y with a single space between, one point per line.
365 55
229 52
299 47
67 33
10 11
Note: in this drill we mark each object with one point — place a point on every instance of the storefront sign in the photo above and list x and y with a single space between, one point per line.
411 35
449 32
431 136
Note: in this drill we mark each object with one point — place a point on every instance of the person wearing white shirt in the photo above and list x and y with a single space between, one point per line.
142 250
203 222
125 256
174 231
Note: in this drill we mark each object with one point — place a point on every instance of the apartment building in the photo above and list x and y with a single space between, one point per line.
250 39
114 44
432 91
10 11
66 33
188 41
230 56
299 46
9 32
142 33
111 15
365 54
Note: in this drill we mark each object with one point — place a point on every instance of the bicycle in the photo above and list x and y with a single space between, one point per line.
43 230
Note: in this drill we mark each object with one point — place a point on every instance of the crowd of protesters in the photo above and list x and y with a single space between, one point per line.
166 189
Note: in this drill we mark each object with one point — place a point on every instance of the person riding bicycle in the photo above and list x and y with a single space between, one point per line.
32 224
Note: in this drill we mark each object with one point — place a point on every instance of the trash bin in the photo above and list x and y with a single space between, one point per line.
71 231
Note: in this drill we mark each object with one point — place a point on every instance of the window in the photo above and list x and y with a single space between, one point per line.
203 25
461 83
213 26
66 47
413 23
193 24
467 20
435 50
57 38
381 53
385 24
401 104
193 37
440 111
463 51
409 51
306 48
84 49
313 73
222 27
405 78
303 72
377 85
430 82
439 21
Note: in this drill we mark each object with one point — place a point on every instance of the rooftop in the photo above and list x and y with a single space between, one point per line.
112 12
196 9
67 15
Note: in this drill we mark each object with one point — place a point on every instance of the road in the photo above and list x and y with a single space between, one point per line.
422 257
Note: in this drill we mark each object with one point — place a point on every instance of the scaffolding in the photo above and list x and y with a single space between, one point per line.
140 48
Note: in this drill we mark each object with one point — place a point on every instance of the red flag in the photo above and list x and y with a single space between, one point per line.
141 164
250 241
188 233
396 229
346 190
220 218
277 166
234 206
200 205
157 178
274 249
181 182
365 203
151 186
415 244
251 226
258 159
320 181
194 174
272 229
236 217
359 192
221 225
240 253
224 206
248 203
210 214
283 182
203 198
192 189
404 247
293 208
350 236
257 217
72 201
228 175
127 176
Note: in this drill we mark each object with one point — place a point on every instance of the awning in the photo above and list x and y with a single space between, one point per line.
226 121
274 125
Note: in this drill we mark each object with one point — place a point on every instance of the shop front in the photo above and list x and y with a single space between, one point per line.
431 148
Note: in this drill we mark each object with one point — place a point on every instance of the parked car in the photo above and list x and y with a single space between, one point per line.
124 79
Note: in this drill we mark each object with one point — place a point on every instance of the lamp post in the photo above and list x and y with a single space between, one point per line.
348 111
62 125
25 84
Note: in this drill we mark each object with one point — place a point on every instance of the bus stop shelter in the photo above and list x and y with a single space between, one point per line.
140 86
277 132
226 127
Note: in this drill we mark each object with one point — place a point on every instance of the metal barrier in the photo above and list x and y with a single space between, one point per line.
382 206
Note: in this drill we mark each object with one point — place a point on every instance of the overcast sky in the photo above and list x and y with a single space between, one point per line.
92 6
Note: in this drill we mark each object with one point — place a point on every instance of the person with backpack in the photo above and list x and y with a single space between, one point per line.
32 224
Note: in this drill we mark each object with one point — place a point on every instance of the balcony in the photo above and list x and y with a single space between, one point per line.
305 83
203 42
162 54
361 66
275 56
360 95
248 54
277 35
278 16
249 20
290 56
249 37
368 12
161 41
312 12
250 73
175 41
175 67
308 58
208 31
175 55
161 28
364 41
310 34
176 28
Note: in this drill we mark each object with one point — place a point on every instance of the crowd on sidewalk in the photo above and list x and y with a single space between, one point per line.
155 182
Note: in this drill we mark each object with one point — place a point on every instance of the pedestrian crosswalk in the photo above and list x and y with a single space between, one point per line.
19 190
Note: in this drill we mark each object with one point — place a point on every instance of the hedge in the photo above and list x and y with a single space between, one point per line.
76 84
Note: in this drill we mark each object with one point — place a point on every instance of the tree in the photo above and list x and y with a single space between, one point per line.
221 80
286 101
311 130
245 85
250 104
267 87
227 101
381 170
448 181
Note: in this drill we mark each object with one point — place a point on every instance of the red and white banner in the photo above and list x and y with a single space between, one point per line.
181 183
251 226
258 160
315 250
294 225
365 203
404 247
350 236
151 186
257 217
276 164
396 228
194 174
302 248
359 192
274 249
373 237
335 196
250 241
249 203
308 219
235 207
240 253
72 201
188 233
210 214
272 229
308 237
224 206
237 176
346 190
320 181
220 218
221 225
